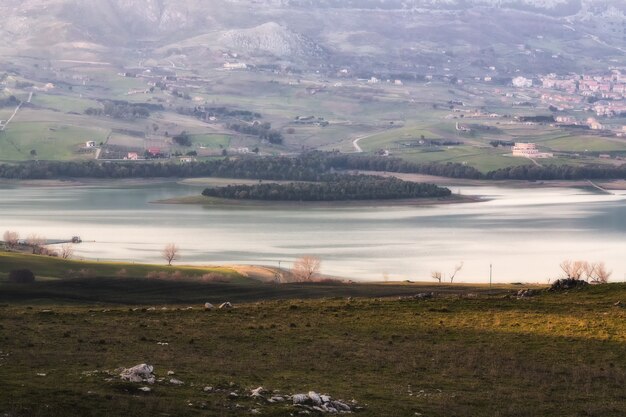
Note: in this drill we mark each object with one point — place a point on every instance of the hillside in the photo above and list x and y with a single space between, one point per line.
462 352
309 33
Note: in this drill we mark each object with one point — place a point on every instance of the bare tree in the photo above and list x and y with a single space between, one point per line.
590 270
305 267
36 242
436 275
573 270
457 268
11 238
602 274
67 251
170 253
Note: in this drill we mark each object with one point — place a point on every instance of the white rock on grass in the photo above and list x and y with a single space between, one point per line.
226 305
175 381
139 373
300 398
208 306
315 397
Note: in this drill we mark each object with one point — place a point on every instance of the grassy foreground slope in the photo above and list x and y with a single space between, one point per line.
51 267
465 352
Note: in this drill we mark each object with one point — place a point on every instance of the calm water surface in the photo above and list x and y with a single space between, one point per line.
525 233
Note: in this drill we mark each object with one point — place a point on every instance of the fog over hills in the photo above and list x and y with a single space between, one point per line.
512 34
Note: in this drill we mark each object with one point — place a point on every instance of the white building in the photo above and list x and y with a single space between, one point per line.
522 82
529 150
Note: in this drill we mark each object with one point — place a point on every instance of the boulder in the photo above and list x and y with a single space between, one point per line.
208 306
226 305
567 284
315 398
139 373
300 399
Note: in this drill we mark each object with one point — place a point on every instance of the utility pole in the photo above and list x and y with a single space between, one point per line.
490 274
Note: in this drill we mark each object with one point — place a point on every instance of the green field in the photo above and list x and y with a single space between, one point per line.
465 352
212 141
63 103
55 141
55 268
585 144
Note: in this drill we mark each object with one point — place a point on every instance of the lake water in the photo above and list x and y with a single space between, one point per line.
524 233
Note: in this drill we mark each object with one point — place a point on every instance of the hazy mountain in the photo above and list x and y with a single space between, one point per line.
509 34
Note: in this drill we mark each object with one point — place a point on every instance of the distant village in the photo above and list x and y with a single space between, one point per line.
604 95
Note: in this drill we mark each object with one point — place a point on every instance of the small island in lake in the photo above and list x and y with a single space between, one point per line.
332 187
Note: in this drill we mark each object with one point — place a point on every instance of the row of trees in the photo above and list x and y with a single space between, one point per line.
37 244
332 188
595 272
205 113
123 110
310 166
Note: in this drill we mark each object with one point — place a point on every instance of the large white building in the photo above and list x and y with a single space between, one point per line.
529 150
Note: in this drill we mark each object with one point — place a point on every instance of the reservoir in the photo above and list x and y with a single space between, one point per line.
523 232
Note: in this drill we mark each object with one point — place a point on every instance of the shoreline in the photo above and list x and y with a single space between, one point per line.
413 202
611 185
615 185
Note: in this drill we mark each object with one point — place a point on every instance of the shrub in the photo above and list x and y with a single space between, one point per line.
214 277
22 276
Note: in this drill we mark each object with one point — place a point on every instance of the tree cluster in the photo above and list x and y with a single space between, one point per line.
204 113
262 130
333 187
10 101
182 139
123 110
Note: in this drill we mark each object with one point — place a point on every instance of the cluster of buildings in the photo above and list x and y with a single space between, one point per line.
606 94
588 85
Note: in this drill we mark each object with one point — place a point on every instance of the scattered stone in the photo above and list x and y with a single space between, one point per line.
207 389
321 403
619 304
139 373
145 389
175 381
424 296
41 374
226 305
526 293
163 343
255 411
170 373
208 306
258 392
233 395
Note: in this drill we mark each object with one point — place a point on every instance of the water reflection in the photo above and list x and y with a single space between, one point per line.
525 233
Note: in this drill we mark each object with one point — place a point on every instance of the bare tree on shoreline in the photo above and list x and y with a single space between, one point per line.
305 268
457 268
67 251
170 253
11 238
